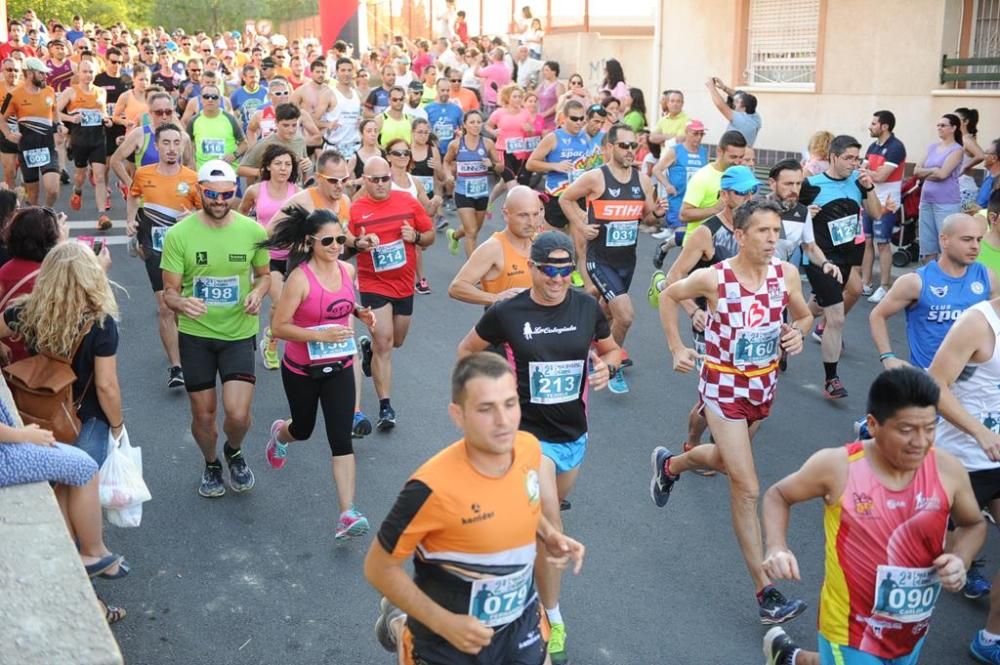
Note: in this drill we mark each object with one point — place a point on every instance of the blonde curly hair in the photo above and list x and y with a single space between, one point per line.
70 291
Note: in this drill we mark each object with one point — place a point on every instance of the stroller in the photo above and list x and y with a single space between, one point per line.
905 236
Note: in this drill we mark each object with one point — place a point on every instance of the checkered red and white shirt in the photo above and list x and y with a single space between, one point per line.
743 338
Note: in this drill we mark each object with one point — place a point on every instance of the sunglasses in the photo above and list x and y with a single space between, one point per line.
116 62
159 113
11 69
556 271
455 80
213 195
335 180
399 153
395 99
280 94
195 71
627 146
210 98
576 82
745 192
326 241
378 179
575 118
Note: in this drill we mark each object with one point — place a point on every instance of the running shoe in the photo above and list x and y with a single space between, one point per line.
386 419
880 293
867 290
708 473
362 425
861 430
617 383
422 287
779 649
269 350
626 361
441 222
452 242
104 223
76 201
564 504
983 651
276 451
365 343
388 614
107 200
211 482
351 525
557 644
133 246
653 294
834 389
662 483
176 377
63 177
775 608
576 279
817 333
664 233
976 586
240 476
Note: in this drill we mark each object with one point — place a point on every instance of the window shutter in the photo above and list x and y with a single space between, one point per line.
782 40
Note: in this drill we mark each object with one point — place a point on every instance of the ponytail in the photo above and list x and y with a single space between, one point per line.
292 232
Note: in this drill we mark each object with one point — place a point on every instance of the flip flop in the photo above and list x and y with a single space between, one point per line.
99 567
123 570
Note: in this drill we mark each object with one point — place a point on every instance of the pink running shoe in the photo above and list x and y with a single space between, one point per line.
351 525
276 451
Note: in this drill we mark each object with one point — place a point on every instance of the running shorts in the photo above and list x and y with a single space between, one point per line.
835 654
477 204
610 281
741 409
400 306
566 456
202 358
827 290
985 485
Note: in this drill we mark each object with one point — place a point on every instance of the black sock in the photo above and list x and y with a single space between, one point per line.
214 465
383 403
230 453
831 371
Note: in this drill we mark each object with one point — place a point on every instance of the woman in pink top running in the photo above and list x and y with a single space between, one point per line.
313 316
279 171
512 124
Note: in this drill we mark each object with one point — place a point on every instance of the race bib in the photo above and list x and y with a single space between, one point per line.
331 350
158 232
844 229
621 234
110 107
906 595
444 130
991 421
348 147
555 382
757 346
575 174
515 145
217 290
477 187
389 257
90 118
499 600
37 157
427 182
213 147
531 142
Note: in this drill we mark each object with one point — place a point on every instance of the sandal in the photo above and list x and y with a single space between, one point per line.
112 614
123 570
103 565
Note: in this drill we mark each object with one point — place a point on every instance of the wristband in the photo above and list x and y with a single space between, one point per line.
119 425
885 356
868 190
823 265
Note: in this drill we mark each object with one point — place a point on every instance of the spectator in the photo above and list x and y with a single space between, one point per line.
8 206
493 77
473 59
672 127
819 154
973 154
72 295
526 67
635 110
422 59
941 195
550 89
461 27
403 73
446 20
576 91
614 80
532 38
992 164
739 108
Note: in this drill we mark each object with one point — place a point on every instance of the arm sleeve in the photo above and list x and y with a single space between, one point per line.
602 329
412 517
421 220
489 327
896 153
235 124
808 193
106 338
172 259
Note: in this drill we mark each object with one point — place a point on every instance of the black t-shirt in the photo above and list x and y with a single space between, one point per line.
837 226
102 340
114 87
549 346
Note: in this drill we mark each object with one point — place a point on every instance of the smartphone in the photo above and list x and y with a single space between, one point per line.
98 246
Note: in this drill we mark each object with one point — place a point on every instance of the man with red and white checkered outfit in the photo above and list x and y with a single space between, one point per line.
747 297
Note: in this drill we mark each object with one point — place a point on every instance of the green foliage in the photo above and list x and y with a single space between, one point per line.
105 12
218 15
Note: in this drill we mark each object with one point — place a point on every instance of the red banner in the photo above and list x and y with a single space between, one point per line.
334 16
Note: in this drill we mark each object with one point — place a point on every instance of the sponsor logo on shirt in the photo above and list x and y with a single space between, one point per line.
893 504
922 502
478 515
863 504
940 291
237 258
530 331
977 287
201 258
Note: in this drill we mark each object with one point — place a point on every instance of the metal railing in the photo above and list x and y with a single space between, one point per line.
949 63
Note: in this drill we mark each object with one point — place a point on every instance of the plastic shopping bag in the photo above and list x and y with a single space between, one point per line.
121 484
132 515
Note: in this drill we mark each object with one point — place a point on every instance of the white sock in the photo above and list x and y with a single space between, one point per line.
988 637
554 615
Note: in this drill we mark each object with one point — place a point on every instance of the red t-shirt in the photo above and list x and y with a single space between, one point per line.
7 48
395 259
11 273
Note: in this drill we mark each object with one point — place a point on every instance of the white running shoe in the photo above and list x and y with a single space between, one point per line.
877 296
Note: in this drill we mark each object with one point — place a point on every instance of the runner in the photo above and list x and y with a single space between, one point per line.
445 116
512 125
839 193
617 197
400 159
160 195
499 266
9 151
547 334
378 99
216 134
342 116
33 103
264 121
84 106
61 73
287 134
428 169
369 148
207 262
279 171
140 145
676 166
967 368
470 158
701 199
313 316
315 95
744 335
249 97
886 161
445 614
393 123
386 228
886 506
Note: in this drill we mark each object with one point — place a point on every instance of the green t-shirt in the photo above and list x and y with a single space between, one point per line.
635 120
703 191
216 265
214 138
989 256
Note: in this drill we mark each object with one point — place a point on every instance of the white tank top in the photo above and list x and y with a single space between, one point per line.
346 137
976 390
411 190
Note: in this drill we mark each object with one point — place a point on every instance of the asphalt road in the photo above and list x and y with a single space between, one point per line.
259 579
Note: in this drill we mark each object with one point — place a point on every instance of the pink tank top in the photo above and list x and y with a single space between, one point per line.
547 99
268 207
321 307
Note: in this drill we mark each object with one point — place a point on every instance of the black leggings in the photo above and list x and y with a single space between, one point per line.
334 393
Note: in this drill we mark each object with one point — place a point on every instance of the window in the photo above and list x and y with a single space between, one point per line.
782 43
986 42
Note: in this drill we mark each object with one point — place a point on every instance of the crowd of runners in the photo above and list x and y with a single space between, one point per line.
281 197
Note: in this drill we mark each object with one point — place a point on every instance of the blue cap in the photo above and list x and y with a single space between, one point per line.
235 34
739 179
171 46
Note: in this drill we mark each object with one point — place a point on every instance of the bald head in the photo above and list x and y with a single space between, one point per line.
961 239
521 197
377 180
958 222
376 166
522 210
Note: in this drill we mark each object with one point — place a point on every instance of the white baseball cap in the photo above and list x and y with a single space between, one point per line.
216 170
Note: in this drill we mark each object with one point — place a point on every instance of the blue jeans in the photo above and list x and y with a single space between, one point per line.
93 439
931 219
880 229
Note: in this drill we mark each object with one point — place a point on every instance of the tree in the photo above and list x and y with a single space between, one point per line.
105 12
218 15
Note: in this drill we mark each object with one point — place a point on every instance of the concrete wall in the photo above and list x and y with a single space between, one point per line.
872 59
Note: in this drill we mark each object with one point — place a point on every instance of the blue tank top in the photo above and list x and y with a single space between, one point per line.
684 166
573 148
147 153
471 173
942 300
